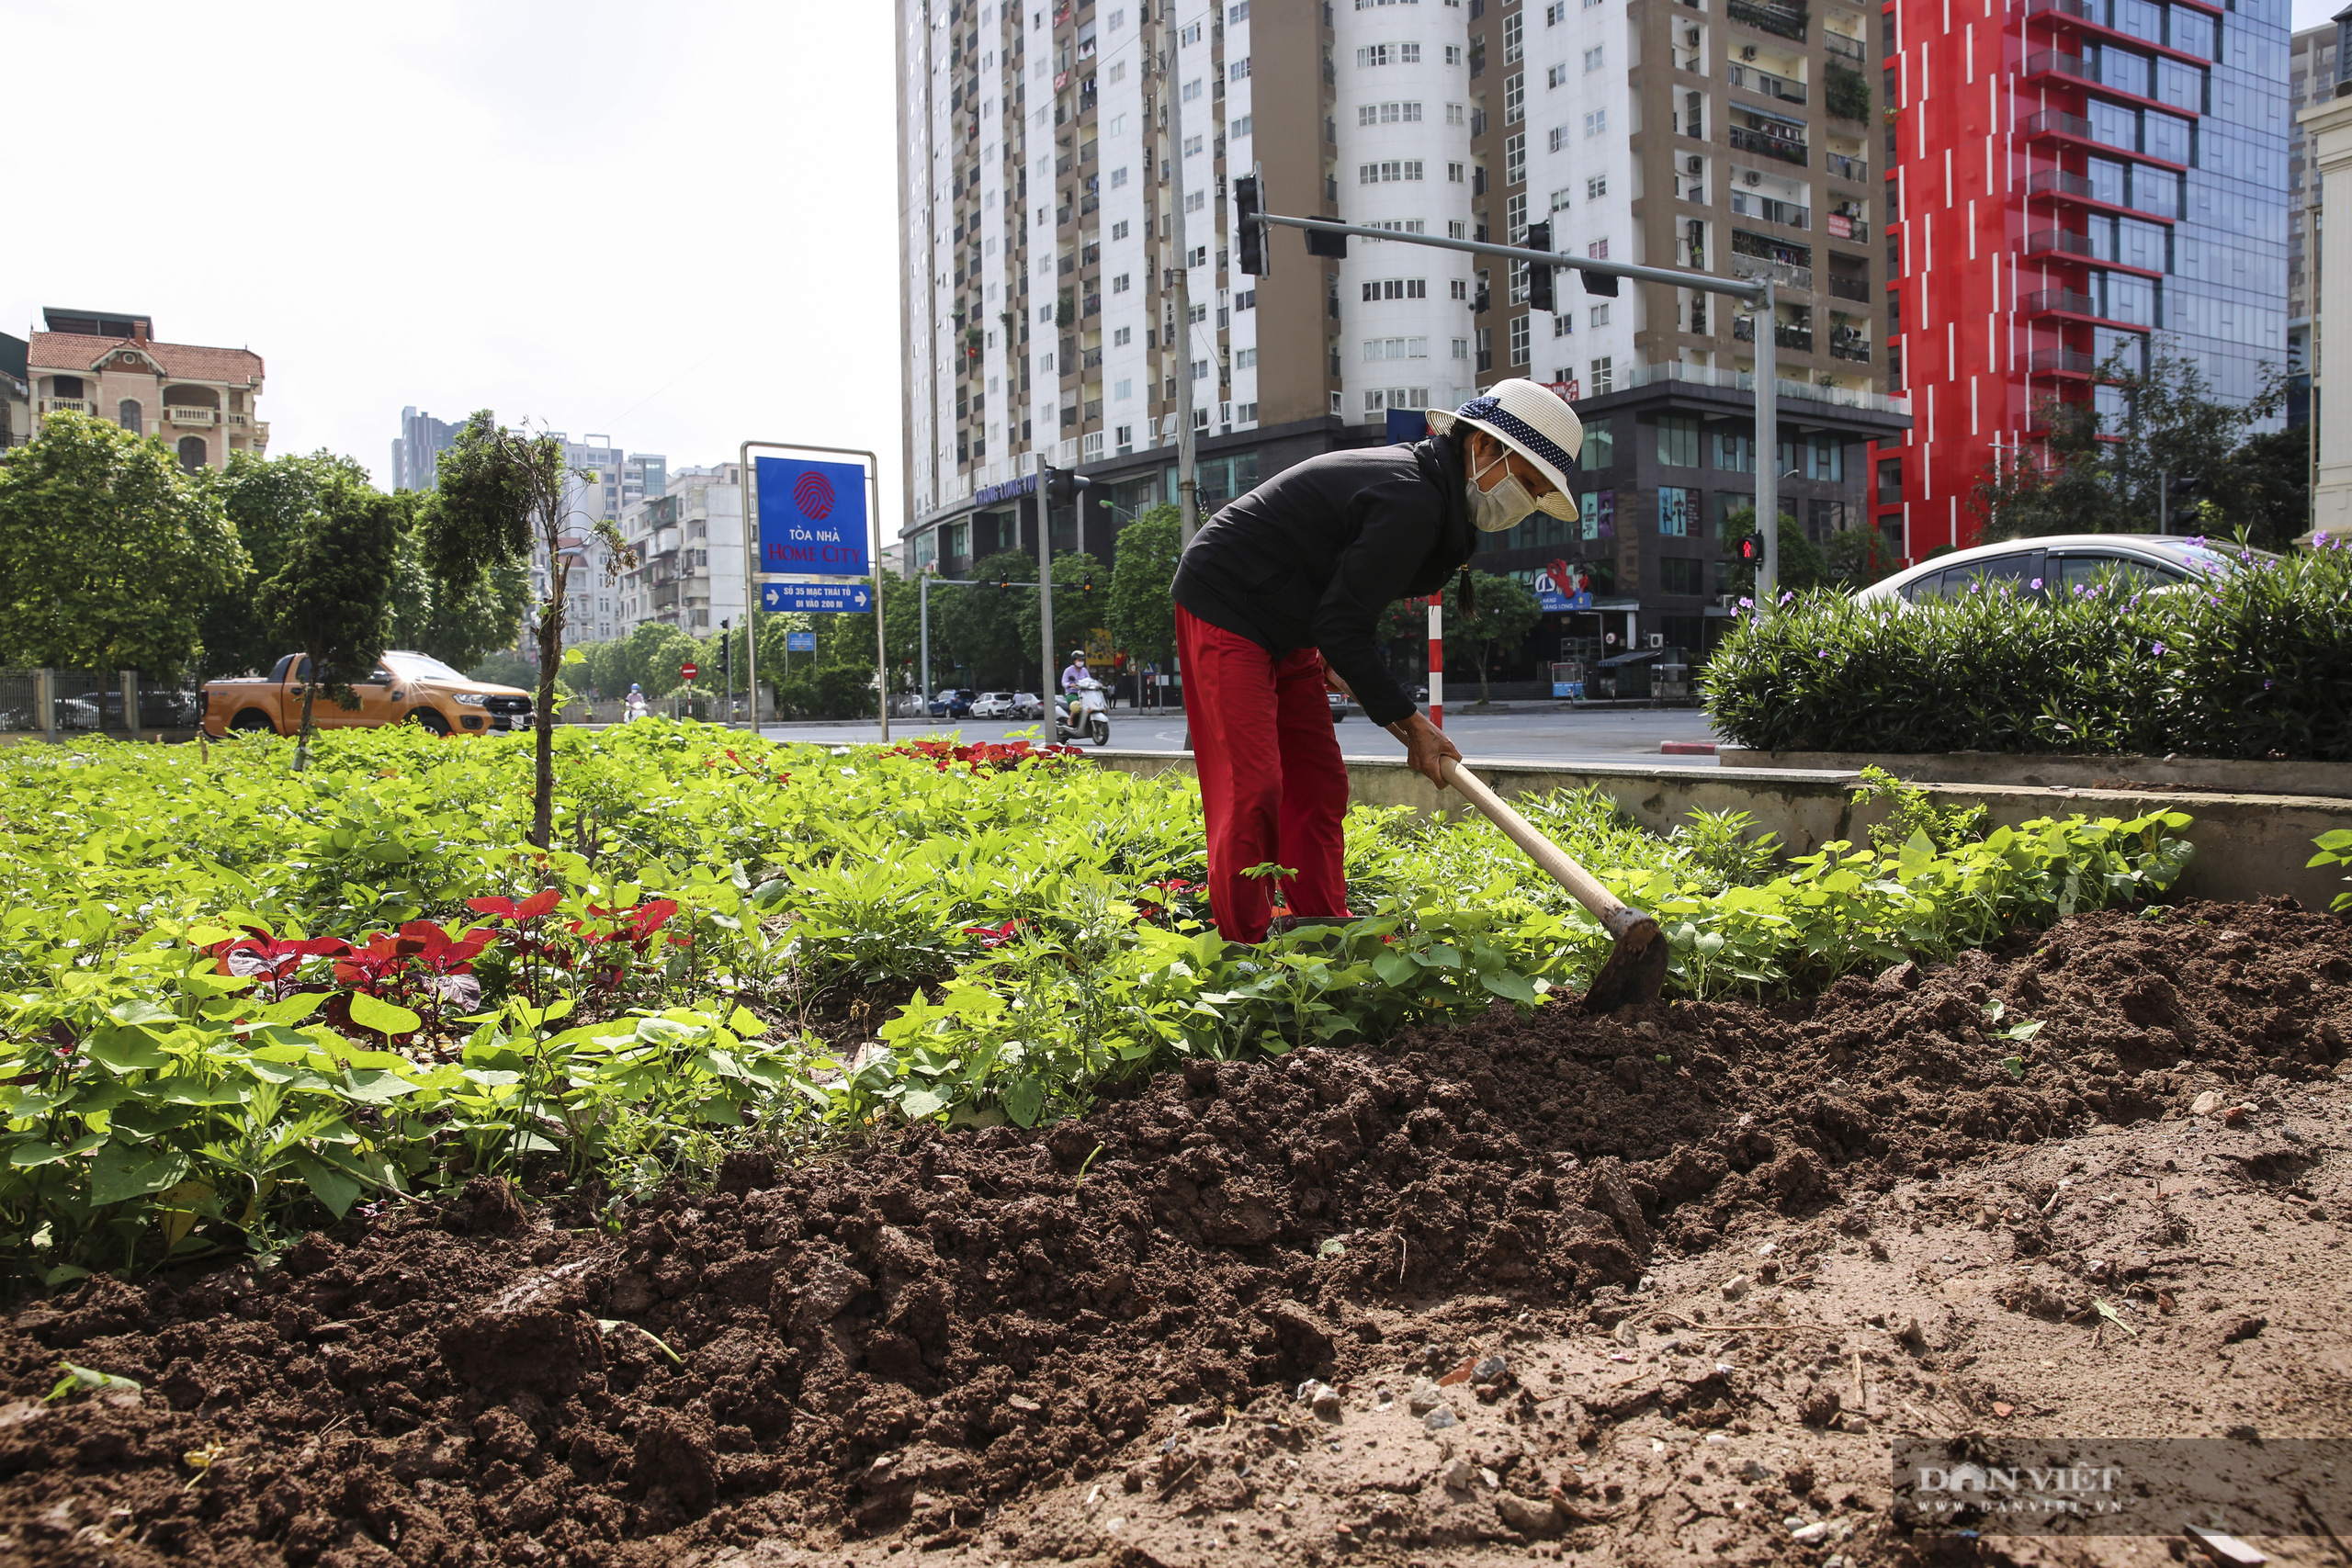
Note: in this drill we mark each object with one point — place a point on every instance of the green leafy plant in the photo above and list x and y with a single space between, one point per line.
2335 847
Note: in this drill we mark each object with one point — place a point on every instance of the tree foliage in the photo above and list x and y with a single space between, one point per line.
1142 579
502 501
272 501
2149 466
330 597
458 624
109 553
1505 611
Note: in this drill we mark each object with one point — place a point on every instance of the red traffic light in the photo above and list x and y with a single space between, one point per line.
1751 549
688 671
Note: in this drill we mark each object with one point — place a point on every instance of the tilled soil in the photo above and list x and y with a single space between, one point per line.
1446 1300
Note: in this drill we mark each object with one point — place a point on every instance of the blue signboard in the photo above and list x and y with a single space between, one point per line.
820 598
812 516
800 642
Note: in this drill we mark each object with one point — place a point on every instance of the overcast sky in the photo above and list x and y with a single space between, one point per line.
672 224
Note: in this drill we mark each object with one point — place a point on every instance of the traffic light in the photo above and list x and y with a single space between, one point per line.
1004 581
1601 283
1539 274
1062 487
1751 549
1250 226
1087 586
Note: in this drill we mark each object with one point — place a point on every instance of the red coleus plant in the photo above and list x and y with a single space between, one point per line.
419 948
983 756
1169 898
995 936
638 926
275 963
530 909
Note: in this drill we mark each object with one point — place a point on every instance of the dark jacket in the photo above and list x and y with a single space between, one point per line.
1311 558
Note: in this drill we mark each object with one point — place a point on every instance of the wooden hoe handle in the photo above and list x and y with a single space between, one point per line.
1612 909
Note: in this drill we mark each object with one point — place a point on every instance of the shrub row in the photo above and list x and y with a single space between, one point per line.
2254 664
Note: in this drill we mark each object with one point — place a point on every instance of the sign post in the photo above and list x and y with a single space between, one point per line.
818 519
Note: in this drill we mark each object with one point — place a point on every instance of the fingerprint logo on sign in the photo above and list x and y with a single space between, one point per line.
814 494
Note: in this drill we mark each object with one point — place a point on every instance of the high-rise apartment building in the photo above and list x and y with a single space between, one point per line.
416 450
2075 181
687 538
1040 146
2311 82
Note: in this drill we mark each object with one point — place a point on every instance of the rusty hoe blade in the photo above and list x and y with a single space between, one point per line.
1636 969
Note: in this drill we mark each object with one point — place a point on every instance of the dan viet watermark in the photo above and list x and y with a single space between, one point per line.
1999 1485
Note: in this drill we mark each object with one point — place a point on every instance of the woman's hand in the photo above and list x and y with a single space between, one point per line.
1332 681
1425 747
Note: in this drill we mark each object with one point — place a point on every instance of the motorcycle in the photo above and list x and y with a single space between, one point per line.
1093 720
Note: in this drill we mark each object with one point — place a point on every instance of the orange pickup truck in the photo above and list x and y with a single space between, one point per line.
414 687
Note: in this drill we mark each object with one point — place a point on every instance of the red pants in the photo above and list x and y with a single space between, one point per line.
1273 785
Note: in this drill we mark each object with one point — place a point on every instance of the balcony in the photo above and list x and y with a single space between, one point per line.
1778 272
1787 21
1849 288
2057 302
1789 152
1787 336
2057 125
1766 83
2051 62
2060 241
2061 362
66 405
1838 43
1856 348
1843 167
2089 17
180 413
1747 204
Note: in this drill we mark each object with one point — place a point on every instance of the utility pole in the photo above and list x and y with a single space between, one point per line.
1187 472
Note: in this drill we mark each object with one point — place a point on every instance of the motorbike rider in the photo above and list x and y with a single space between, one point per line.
1072 673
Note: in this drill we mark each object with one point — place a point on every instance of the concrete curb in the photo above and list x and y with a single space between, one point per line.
2248 846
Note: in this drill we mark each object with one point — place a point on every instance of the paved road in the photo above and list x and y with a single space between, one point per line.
1619 735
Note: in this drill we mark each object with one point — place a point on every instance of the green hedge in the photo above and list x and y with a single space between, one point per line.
2256 664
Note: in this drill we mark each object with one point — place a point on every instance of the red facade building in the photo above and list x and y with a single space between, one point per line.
2071 184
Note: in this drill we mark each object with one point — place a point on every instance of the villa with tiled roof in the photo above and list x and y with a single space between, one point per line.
200 402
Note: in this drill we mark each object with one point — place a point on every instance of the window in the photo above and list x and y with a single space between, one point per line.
1555 76
1890 482
1600 315
1825 459
1556 13
1514 97
1191 146
1515 220
1456 228
1677 442
1119 229
1596 187
1192 89
1461 348
1461 289
1120 338
1236 14
1119 283
1593 60
1735 450
1603 378
1600 441
1453 114
1515 159
1194 200
1678 574
1246 300
1118 125
1121 390
1564 324
1371 55
1596 123
1519 344
1238 70
1453 54
1559 137
1242 127
1453 171
1200 369
129 415
1410 53
1190 35
1396 288
1388 114
1513 39
1388 170
1118 178
1379 348
1243 358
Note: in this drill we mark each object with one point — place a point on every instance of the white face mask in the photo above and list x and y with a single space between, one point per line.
1505 506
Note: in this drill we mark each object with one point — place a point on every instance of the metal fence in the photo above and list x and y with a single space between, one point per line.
64 703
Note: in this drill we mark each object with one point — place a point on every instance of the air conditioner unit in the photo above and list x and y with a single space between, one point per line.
1690 36
1754 178
1656 639
1694 163
1747 51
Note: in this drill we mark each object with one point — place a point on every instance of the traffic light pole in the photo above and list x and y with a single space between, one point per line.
1757 291
923 600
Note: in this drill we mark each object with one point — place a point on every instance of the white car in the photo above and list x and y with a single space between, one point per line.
993 704
2060 563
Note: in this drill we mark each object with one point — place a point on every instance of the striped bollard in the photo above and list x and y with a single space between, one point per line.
1437 660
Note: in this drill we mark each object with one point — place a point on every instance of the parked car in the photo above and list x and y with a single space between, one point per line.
993 704
415 688
1027 704
954 701
2058 563
1339 704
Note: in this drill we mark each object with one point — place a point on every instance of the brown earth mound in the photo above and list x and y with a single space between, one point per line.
906 1343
